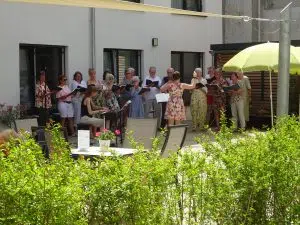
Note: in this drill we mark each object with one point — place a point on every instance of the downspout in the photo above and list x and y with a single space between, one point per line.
224 3
92 38
258 22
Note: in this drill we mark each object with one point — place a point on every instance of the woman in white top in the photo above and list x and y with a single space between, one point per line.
199 100
65 107
77 98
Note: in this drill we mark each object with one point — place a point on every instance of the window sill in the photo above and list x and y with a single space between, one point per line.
176 14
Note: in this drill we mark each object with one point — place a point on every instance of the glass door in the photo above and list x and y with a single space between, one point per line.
33 59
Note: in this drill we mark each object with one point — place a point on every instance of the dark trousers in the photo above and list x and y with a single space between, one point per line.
163 120
43 116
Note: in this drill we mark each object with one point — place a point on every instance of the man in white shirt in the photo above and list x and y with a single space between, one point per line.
246 94
151 103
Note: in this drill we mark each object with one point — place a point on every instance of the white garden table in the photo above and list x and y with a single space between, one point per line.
95 151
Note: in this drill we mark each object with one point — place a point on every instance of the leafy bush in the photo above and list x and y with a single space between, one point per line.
251 181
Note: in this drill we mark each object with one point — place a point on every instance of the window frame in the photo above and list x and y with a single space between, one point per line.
181 53
187 94
115 68
135 1
35 51
200 8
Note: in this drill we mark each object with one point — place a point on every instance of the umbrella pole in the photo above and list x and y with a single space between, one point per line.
271 99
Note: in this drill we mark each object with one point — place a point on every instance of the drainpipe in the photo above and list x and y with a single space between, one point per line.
93 38
259 23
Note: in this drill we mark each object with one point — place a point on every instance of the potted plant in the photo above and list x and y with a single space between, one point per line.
105 137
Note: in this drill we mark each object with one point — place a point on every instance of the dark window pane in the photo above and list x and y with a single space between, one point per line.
137 1
33 59
193 5
27 78
175 61
185 63
108 61
120 60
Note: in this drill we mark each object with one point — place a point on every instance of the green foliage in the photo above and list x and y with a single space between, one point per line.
251 181
106 135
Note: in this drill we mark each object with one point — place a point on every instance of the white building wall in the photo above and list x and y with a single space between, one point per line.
69 26
270 31
237 31
39 24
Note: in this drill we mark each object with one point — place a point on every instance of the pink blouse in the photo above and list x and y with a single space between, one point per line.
65 91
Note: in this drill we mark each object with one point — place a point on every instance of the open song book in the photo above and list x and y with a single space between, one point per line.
234 87
162 97
151 83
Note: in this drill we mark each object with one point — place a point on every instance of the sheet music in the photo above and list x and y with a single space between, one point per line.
162 97
83 139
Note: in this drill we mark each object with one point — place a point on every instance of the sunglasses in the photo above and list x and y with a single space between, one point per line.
65 79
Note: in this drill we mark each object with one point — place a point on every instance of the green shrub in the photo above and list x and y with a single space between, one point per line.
251 181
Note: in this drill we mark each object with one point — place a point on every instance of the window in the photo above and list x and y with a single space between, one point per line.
185 63
33 59
193 5
118 60
137 1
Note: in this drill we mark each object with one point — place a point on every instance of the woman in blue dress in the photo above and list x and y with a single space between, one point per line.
137 103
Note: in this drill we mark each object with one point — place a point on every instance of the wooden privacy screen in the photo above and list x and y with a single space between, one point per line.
261 88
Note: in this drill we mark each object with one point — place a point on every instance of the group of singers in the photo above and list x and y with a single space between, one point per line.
83 102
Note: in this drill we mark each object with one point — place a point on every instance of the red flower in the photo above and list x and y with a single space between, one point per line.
105 130
98 134
10 108
117 132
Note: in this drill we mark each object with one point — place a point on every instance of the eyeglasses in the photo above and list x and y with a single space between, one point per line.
65 79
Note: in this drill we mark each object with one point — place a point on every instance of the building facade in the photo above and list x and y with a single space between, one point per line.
239 34
236 31
62 39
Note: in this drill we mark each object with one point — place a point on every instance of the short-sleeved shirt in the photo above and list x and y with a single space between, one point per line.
42 101
246 86
75 85
238 97
65 91
150 95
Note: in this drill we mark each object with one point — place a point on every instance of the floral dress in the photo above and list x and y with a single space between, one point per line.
199 105
175 106
219 97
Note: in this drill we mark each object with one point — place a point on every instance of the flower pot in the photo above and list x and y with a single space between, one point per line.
104 145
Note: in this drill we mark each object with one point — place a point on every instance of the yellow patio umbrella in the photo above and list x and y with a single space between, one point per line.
296 70
262 57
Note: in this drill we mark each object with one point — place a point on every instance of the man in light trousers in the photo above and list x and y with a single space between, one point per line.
246 94
237 103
